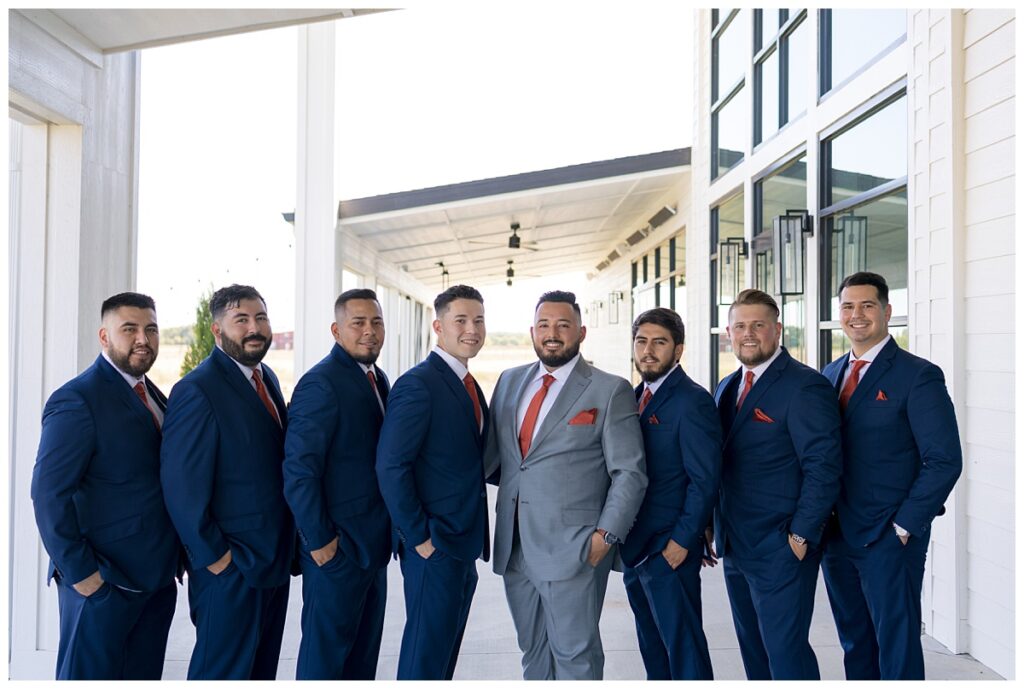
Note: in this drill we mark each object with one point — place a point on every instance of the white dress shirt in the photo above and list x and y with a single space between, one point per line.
561 374
869 356
246 370
132 382
758 370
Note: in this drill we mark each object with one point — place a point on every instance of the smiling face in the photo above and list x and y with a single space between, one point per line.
461 330
243 331
131 338
557 334
755 332
865 321
359 328
654 351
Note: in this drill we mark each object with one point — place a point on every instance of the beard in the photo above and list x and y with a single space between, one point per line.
756 359
366 359
652 374
237 351
123 360
556 359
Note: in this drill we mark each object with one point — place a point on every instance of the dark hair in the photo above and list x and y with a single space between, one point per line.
560 297
350 294
139 301
755 297
667 319
866 278
444 299
232 295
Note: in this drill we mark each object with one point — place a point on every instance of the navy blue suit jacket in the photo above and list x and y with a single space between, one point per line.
684 459
901 449
220 465
780 467
330 449
96 484
430 462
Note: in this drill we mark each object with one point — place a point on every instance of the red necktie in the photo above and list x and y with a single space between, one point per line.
851 383
747 384
532 412
471 389
645 400
261 390
140 390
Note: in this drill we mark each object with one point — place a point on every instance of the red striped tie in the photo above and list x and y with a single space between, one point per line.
532 412
851 383
645 400
140 390
748 382
261 390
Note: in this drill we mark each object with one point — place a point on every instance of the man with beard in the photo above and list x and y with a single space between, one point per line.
571 455
329 482
99 507
431 473
781 461
663 554
221 471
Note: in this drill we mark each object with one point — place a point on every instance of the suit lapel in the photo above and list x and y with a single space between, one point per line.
835 373
238 381
119 389
665 391
458 389
761 386
157 395
868 383
575 384
358 378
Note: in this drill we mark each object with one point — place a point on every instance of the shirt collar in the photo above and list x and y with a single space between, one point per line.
367 368
131 380
247 370
561 373
872 353
763 366
456 366
653 387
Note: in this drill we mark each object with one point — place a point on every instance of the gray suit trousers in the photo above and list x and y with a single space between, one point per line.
557 621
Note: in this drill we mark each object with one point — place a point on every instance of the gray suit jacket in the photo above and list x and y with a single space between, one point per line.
575 478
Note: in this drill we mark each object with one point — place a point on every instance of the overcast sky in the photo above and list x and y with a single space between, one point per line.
425 97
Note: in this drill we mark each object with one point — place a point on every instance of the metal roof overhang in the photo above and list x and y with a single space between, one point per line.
571 219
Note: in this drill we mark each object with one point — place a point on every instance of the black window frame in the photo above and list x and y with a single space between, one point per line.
718 101
825 85
778 45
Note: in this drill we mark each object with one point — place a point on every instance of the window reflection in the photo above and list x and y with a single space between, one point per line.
768 83
731 129
870 153
733 53
797 71
857 36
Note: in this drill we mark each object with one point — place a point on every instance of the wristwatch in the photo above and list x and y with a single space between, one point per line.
799 540
609 538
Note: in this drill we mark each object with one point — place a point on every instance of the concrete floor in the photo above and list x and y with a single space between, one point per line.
489 650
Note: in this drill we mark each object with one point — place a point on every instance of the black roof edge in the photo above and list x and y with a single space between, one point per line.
494 186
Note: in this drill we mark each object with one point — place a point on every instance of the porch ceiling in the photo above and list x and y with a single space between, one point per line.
570 219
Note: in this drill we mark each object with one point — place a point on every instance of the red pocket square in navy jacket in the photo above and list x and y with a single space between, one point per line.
653 420
587 417
762 417
880 397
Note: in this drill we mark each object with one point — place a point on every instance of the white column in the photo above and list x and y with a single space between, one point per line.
317 270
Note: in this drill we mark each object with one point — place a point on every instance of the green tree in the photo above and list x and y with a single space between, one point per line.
202 337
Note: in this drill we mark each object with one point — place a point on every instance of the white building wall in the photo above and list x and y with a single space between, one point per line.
73 243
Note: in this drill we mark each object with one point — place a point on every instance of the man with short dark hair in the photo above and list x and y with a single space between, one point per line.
663 553
431 474
902 457
781 460
330 484
221 472
571 457
99 507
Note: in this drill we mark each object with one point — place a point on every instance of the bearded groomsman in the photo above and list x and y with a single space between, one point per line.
221 471
663 553
330 484
99 507
902 457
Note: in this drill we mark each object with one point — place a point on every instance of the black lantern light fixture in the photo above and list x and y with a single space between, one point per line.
851 244
729 273
790 250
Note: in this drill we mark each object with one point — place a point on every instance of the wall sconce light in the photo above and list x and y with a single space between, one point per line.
790 250
614 299
851 242
729 273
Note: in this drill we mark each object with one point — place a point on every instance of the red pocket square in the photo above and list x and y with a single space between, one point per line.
880 396
587 417
762 417
653 419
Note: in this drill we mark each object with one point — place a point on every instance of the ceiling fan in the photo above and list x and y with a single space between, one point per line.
514 240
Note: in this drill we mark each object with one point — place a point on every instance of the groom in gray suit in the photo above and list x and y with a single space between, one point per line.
569 445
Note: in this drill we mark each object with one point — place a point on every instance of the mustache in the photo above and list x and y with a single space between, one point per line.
552 340
254 338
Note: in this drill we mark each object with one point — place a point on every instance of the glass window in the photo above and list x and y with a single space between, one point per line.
767 81
872 237
726 222
786 189
797 61
770 21
733 54
856 36
871 153
730 127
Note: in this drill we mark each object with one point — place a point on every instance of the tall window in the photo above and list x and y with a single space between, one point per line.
851 39
864 189
780 69
728 271
729 55
784 189
659 277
